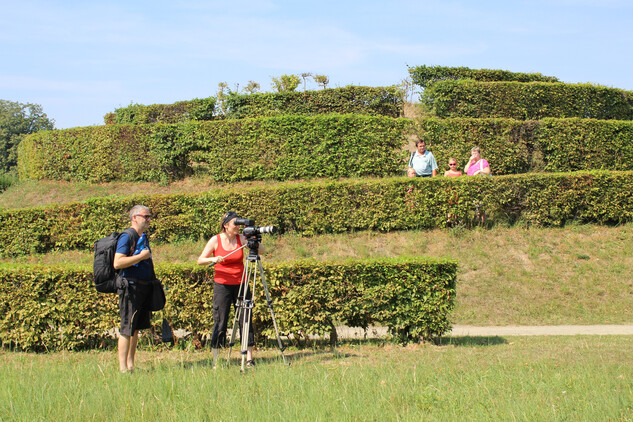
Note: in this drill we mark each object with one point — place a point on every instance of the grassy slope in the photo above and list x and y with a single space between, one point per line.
576 275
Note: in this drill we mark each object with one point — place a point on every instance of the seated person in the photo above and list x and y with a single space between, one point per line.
452 169
422 162
477 165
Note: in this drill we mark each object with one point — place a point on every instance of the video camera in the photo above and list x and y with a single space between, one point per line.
250 230
253 234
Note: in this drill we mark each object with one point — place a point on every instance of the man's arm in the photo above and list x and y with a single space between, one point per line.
123 261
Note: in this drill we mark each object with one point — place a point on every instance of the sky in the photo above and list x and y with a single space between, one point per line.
82 59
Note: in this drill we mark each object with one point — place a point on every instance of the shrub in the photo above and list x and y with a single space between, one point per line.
182 111
280 148
527 101
333 207
427 75
351 99
57 308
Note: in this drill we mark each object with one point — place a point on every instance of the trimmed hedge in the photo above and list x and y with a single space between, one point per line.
182 111
292 147
280 148
46 308
333 207
550 145
426 75
380 101
527 101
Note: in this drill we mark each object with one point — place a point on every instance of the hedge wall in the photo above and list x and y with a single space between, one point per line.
293 147
426 75
333 207
380 101
514 146
57 308
374 101
527 101
182 111
281 148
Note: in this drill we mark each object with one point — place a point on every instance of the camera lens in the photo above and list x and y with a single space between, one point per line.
268 229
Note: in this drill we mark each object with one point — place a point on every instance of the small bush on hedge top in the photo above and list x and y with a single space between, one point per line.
57 308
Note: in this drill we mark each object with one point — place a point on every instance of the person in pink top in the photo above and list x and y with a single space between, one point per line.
476 165
452 169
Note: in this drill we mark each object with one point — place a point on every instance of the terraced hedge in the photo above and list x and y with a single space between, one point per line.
527 101
379 101
514 146
426 75
373 101
181 111
296 147
333 207
57 308
280 148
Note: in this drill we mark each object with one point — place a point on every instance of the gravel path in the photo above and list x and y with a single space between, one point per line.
508 330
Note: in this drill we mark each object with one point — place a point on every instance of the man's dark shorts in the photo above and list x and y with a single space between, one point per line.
134 307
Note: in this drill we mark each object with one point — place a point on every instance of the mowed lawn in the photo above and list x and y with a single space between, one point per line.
579 378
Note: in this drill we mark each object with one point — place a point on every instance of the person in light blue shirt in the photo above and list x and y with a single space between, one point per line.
422 162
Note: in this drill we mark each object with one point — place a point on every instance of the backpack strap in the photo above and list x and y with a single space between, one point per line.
132 239
411 159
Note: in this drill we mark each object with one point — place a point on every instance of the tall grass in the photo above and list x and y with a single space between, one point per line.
514 378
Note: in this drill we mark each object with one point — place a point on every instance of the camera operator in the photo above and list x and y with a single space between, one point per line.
225 251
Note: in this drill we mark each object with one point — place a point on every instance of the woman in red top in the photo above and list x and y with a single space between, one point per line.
225 251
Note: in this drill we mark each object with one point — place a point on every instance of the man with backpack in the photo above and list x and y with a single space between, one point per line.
134 258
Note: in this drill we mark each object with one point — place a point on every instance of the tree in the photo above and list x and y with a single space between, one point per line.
305 77
286 83
322 80
16 121
252 87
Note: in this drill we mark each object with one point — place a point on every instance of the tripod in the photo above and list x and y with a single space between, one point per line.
245 303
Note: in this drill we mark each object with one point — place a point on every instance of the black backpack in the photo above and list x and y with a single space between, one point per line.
105 276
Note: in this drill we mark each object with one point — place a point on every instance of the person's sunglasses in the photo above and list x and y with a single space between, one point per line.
452 164
147 217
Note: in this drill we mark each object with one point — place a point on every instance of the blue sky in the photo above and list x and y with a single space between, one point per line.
82 59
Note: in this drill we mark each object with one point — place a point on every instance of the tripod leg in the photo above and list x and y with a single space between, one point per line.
239 304
247 310
272 313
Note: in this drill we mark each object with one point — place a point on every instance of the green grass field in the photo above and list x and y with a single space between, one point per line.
582 378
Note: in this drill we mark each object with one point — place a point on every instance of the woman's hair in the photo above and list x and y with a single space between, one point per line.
475 149
226 218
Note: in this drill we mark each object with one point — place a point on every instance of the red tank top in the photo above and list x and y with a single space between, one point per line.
230 271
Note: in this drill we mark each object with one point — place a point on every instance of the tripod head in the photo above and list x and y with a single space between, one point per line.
253 243
253 235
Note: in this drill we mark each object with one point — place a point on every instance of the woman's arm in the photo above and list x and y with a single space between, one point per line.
205 257
468 164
